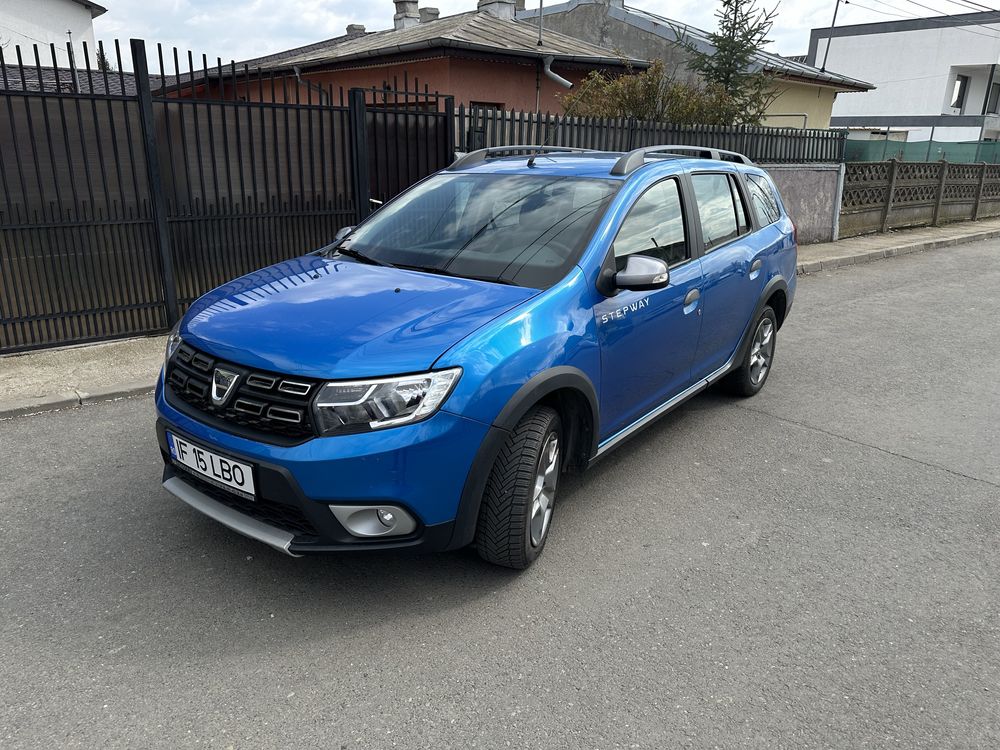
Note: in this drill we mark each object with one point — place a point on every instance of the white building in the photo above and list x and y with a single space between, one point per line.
25 23
936 77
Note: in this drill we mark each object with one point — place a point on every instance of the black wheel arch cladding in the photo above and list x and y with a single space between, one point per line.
545 385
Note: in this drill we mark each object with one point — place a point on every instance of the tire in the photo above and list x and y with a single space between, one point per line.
759 359
516 512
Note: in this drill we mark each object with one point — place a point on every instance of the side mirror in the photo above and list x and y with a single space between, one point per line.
342 232
643 273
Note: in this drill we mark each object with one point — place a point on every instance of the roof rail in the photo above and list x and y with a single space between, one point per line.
637 157
478 157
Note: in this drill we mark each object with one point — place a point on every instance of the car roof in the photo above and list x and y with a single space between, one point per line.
592 164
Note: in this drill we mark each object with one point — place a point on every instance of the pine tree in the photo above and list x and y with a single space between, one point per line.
733 66
103 64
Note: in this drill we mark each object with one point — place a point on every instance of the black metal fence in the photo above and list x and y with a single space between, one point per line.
125 196
479 127
394 119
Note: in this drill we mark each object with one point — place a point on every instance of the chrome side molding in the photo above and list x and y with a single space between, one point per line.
663 408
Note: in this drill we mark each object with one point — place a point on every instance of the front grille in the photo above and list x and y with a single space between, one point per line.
263 405
286 517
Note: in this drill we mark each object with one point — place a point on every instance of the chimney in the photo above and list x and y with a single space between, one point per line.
519 5
429 14
406 14
499 8
355 29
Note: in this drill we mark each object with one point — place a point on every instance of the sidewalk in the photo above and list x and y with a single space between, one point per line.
828 255
73 376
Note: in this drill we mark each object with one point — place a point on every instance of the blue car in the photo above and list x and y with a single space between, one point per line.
426 380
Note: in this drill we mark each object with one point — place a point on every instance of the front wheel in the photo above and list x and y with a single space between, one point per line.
520 493
756 366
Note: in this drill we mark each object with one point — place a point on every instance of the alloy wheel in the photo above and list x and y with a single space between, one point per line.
546 478
761 351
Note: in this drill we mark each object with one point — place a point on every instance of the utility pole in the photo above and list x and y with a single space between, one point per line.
72 62
829 39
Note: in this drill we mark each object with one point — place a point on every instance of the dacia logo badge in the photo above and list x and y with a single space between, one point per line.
223 382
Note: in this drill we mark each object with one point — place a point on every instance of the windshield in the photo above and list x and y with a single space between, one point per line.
517 229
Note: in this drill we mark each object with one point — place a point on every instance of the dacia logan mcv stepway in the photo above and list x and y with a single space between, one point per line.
427 378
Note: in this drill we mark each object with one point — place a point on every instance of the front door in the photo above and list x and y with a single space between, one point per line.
648 339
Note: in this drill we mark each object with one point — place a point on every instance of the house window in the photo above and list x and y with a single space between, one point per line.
959 91
993 103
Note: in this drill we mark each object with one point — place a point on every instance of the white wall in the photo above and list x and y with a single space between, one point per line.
912 70
44 22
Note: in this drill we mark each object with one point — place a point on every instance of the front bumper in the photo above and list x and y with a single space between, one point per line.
423 468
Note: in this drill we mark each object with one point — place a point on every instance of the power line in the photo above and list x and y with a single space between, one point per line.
942 23
46 46
974 5
874 10
948 15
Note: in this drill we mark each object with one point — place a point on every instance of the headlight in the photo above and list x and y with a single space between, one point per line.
173 341
362 405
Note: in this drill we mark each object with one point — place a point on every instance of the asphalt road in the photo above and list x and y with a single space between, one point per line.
814 567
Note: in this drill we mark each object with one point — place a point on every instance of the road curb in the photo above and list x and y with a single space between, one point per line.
72 399
828 264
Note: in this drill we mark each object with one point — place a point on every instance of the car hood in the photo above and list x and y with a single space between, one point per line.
334 318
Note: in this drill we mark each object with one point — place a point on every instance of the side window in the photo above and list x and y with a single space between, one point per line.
654 226
720 207
765 205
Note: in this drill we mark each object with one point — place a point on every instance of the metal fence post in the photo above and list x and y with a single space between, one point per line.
887 209
157 200
979 191
358 125
461 145
449 113
940 192
842 146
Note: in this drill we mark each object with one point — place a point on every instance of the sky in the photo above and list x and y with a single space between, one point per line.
242 29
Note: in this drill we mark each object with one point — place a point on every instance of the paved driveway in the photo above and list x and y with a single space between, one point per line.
815 567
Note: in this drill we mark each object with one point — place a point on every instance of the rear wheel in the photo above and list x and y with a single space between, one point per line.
756 366
520 493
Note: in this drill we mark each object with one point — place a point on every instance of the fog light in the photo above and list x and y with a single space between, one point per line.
374 520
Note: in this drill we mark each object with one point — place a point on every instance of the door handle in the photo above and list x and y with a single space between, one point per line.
691 297
755 266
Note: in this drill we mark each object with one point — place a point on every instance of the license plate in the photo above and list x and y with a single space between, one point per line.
219 470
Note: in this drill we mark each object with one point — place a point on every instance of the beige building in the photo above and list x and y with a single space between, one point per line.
805 93
801 105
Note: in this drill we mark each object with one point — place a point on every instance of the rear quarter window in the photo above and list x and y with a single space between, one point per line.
763 200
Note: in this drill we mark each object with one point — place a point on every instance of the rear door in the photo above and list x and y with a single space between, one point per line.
731 263
648 339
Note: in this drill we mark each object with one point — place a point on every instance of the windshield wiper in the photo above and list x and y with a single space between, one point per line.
443 272
359 256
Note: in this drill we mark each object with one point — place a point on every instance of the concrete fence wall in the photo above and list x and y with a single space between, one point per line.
879 196
812 197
